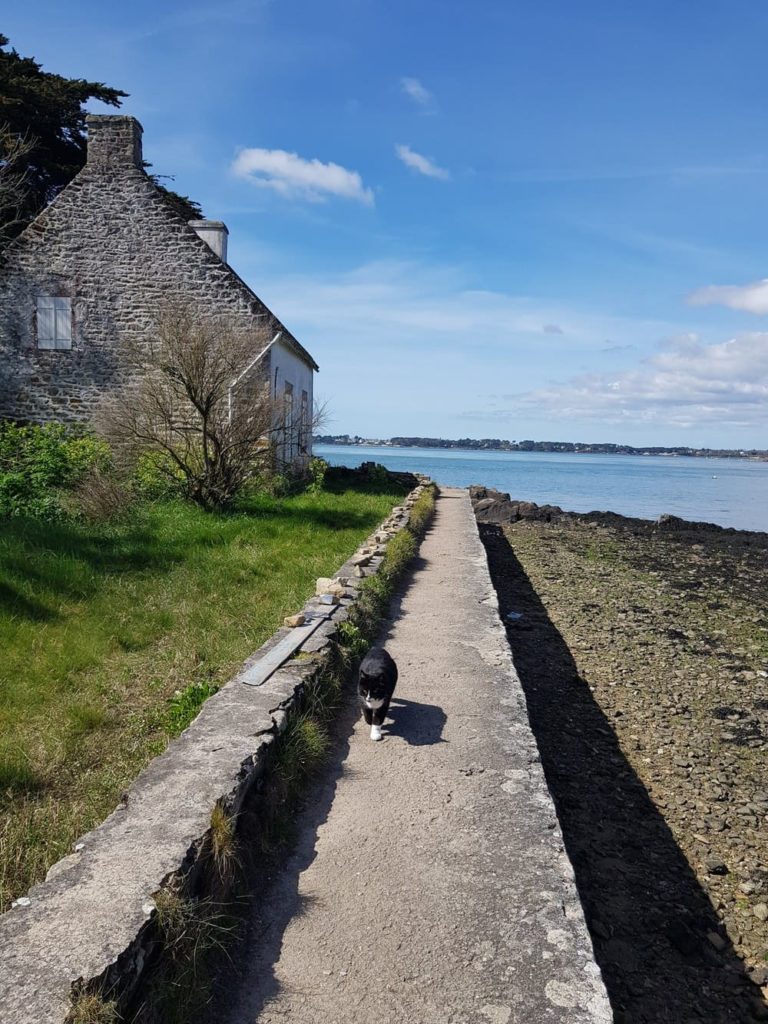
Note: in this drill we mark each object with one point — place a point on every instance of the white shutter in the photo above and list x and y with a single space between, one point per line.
63 309
46 322
54 322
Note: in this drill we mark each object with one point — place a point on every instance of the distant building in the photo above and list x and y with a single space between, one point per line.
97 267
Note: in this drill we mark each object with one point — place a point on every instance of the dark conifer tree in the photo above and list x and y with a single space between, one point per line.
47 112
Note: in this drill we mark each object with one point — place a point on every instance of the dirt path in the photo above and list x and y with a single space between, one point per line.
429 884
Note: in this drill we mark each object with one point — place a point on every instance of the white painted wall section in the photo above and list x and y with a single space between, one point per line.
286 367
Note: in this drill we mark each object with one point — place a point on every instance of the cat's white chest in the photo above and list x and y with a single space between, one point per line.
372 703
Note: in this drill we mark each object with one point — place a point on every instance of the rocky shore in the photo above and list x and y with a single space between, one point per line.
643 651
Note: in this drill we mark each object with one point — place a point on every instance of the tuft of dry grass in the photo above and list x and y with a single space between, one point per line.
224 843
92 1008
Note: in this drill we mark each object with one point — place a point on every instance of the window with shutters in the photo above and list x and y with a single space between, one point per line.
288 421
54 322
304 424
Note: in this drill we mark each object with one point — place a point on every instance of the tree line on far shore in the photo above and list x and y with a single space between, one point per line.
499 445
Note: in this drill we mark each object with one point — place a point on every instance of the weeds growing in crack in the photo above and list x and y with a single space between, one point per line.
224 850
194 934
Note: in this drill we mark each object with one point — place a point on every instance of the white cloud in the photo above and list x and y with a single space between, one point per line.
400 303
552 329
752 298
293 177
683 384
421 96
420 163
434 339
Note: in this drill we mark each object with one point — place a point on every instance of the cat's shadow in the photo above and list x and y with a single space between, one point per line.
420 725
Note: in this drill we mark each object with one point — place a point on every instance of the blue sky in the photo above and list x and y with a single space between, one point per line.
491 219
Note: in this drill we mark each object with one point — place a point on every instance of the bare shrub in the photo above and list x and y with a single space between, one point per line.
199 397
100 495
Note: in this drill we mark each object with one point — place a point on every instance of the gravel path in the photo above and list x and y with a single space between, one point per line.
643 654
429 885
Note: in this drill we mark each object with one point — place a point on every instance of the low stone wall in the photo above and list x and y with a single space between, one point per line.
91 924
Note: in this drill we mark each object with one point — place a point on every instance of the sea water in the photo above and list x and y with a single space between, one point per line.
730 492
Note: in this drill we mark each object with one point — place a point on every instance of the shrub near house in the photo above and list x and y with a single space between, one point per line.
38 463
180 409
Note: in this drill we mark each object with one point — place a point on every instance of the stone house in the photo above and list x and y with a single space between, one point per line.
97 267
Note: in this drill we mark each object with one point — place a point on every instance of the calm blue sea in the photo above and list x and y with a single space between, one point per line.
730 492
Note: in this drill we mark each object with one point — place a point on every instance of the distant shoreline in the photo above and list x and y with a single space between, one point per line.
542 447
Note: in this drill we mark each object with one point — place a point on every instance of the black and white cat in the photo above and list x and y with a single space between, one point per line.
376 684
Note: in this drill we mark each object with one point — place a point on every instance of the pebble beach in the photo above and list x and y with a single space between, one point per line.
643 651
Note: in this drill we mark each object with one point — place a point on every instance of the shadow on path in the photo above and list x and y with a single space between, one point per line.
420 725
248 982
654 930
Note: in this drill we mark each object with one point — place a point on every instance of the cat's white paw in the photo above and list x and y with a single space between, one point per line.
375 732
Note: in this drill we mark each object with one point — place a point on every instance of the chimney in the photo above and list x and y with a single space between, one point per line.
114 141
214 233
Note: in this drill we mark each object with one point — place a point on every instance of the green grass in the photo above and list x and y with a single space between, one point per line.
112 636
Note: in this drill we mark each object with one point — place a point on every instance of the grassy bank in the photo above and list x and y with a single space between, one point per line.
112 636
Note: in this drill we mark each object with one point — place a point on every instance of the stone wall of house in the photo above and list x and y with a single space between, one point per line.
112 244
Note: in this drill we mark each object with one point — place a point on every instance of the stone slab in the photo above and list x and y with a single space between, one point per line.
261 667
